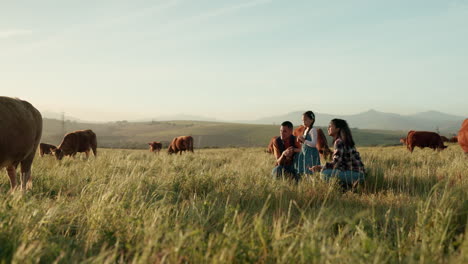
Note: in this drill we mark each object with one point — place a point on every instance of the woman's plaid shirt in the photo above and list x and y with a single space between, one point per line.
345 158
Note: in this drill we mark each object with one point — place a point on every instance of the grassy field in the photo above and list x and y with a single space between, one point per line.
222 206
130 135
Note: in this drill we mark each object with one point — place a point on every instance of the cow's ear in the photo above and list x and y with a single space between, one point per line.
149 143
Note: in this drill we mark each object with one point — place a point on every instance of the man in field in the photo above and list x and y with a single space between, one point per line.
284 148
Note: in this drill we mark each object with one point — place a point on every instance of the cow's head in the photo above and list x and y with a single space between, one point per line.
403 141
170 150
58 153
151 147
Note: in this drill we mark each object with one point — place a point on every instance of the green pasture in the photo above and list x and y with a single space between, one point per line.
222 206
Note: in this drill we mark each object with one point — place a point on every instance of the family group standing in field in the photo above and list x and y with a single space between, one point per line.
297 152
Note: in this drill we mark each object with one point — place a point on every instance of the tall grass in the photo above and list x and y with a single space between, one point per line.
222 206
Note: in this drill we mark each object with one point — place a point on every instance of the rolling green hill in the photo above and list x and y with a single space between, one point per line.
124 134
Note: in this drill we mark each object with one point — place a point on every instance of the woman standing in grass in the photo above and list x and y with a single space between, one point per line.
309 155
346 164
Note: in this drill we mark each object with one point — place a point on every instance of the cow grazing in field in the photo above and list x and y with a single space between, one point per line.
463 136
454 139
424 139
444 139
270 145
20 133
180 144
45 148
155 146
78 141
322 143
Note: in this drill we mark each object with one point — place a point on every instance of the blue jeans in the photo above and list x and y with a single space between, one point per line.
286 171
345 177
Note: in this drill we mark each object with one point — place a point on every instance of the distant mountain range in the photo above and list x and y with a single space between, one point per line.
178 117
371 119
58 116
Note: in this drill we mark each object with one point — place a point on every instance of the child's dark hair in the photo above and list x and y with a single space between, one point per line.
344 133
310 115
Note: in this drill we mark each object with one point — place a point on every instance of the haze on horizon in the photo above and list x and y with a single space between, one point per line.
234 60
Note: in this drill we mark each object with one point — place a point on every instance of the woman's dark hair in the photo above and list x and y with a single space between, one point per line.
310 115
344 132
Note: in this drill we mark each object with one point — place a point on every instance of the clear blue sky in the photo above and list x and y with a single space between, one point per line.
113 60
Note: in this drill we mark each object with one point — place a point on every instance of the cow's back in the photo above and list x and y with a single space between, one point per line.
21 129
463 136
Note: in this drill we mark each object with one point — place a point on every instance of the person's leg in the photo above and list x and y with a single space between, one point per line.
277 171
350 177
345 177
328 174
291 172
285 171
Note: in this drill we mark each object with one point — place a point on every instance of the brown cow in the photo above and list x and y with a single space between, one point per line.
20 133
322 143
78 141
270 145
463 136
444 139
424 139
45 148
180 144
454 139
155 146
299 131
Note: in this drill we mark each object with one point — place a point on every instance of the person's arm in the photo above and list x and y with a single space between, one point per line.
313 135
337 155
280 156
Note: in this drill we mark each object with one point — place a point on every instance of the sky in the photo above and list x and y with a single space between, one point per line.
105 60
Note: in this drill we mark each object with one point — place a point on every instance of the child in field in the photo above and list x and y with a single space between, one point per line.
346 164
309 155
